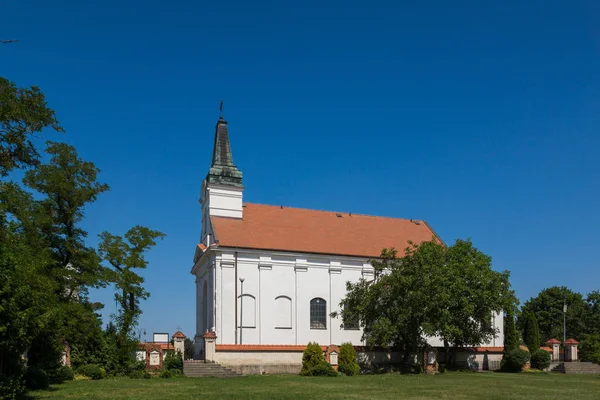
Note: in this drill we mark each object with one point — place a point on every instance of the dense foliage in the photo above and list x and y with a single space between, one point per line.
433 290
532 333
173 361
540 359
93 371
514 360
590 348
347 362
311 358
47 265
511 336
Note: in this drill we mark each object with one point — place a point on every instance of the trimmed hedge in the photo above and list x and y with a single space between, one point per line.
514 360
347 363
540 359
136 374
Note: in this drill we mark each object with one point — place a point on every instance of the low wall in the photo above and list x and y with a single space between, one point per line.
287 359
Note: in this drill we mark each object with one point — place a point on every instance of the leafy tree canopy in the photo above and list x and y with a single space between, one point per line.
434 290
547 307
23 112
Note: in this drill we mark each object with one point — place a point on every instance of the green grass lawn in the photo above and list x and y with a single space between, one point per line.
480 386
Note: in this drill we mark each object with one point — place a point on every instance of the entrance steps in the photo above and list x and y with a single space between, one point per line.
206 369
576 367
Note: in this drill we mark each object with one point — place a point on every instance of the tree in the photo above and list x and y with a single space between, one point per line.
125 255
23 113
592 322
69 185
511 336
532 333
433 290
548 309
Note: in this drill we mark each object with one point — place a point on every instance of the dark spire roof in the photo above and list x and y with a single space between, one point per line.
223 170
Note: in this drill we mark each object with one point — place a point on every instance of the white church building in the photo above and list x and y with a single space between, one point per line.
268 277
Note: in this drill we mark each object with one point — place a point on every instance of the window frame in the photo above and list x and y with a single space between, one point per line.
318 316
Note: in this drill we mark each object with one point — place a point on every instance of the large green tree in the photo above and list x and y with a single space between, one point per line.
433 290
531 334
547 307
511 336
68 185
23 113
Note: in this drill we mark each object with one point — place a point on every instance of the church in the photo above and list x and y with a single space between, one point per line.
271 275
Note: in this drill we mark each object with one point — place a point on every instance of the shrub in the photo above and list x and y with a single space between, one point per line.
36 378
11 388
323 369
311 358
442 368
173 361
92 371
136 374
347 363
165 373
62 374
514 360
417 368
540 359
137 366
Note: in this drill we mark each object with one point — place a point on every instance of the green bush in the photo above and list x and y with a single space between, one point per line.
62 374
323 369
11 388
417 368
540 359
137 366
514 360
92 371
165 373
136 374
442 368
36 378
347 363
173 361
590 348
311 358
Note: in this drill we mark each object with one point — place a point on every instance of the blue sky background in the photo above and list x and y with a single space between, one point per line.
480 117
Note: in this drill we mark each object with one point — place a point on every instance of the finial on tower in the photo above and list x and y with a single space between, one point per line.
221 109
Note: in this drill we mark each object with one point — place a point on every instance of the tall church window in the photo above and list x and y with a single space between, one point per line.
247 311
283 312
318 313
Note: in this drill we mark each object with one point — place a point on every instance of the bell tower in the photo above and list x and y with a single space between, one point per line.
222 188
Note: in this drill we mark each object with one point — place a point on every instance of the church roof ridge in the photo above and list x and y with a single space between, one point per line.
349 213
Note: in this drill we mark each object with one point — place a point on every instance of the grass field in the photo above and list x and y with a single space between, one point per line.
480 386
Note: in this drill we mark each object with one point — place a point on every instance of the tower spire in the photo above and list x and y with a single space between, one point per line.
223 171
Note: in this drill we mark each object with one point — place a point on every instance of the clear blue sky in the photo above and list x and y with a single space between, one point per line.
482 119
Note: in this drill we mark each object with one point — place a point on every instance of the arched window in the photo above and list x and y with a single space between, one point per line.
283 312
247 311
318 313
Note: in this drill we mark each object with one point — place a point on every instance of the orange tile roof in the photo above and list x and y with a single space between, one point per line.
553 341
149 346
545 348
179 334
311 231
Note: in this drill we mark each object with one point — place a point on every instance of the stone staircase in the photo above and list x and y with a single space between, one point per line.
200 369
576 367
